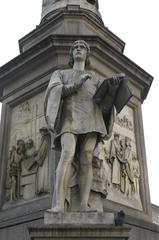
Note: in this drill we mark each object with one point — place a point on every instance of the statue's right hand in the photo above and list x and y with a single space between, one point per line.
83 79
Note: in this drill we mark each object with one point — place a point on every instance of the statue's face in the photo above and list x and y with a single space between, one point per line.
21 143
79 51
29 144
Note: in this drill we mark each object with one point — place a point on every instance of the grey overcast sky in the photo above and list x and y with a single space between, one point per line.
135 22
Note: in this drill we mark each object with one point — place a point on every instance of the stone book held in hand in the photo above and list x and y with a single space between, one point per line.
113 91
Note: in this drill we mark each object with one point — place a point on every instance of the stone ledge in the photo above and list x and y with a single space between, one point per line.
78 218
83 232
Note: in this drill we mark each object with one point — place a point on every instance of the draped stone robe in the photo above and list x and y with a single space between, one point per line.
77 113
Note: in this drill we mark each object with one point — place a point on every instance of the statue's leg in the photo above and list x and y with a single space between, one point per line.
86 172
68 144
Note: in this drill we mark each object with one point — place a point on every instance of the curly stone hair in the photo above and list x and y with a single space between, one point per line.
71 60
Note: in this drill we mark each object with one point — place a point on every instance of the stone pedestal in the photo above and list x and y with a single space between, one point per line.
78 218
82 232
79 226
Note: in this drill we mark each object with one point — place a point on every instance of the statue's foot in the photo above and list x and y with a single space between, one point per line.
87 209
56 209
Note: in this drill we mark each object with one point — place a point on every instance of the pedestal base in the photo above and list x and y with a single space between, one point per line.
78 225
103 232
79 218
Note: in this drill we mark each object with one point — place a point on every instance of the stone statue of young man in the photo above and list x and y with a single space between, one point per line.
77 121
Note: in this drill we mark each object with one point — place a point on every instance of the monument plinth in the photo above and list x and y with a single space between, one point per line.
82 155
79 218
84 232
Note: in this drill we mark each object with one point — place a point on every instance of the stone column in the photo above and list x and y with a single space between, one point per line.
49 6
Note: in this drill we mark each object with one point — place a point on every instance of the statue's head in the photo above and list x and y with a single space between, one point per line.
29 144
128 141
74 45
20 146
43 131
20 143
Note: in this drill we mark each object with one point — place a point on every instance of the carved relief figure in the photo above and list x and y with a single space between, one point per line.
43 161
20 155
116 156
20 164
136 174
77 121
29 169
13 173
16 156
127 167
30 154
100 170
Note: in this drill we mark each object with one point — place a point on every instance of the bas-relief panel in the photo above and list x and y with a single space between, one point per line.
123 168
26 119
28 171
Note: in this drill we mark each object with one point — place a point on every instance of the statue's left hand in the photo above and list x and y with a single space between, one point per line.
114 83
115 80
